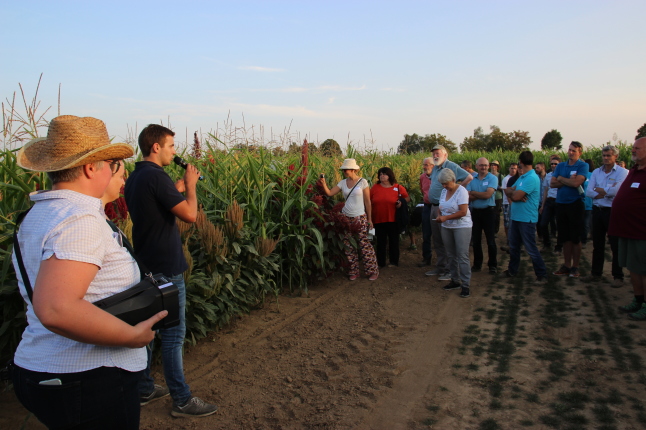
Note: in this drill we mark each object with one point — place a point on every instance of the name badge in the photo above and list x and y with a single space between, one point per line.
395 189
573 172
520 184
485 183
634 185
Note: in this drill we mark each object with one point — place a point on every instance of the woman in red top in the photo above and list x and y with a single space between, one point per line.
385 197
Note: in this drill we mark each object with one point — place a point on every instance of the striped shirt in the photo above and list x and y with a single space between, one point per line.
72 226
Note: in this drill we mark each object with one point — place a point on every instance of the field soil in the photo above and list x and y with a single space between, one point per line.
401 353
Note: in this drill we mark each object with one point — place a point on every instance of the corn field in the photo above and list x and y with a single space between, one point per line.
263 227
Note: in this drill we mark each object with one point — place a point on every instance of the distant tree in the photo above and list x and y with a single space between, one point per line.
329 148
552 140
410 144
496 140
430 140
641 132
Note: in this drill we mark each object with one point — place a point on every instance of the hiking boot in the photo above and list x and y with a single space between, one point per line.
158 393
195 407
632 307
433 272
508 274
451 286
617 283
640 315
475 269
446 276
574 272
562 271
591 278
541 280
465 292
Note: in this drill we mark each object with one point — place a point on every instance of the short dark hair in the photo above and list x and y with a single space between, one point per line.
541 163
527 158
555 158
466 163
388 172
590 164
577 145
513 164
151 134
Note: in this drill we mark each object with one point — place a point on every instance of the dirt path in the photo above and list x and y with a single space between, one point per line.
400 353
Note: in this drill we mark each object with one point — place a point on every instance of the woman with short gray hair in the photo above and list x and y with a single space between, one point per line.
456 232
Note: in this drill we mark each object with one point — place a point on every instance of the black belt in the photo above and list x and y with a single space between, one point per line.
601 208
435 204
550 198
428 204
488 208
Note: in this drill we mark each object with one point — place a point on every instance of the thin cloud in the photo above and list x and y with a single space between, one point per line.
260 69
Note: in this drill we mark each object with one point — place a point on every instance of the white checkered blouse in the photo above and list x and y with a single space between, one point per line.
72 226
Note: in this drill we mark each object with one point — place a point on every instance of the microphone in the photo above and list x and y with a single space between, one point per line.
181 162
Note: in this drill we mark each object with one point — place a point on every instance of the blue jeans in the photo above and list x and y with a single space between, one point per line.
456 242
172 341
101 398
426 232
525 233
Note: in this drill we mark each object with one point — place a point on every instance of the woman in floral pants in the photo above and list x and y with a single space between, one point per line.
358 210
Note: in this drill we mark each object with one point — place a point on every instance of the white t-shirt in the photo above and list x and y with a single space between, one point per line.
504 187
354 205
460 197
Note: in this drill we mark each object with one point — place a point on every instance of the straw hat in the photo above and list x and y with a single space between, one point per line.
71 141
350 164
496 162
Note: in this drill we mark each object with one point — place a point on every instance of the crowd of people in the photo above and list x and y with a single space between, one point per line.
78 366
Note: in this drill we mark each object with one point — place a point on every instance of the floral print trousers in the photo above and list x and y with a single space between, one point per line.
367 251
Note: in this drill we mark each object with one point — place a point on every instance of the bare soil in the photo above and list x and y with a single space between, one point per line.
401 353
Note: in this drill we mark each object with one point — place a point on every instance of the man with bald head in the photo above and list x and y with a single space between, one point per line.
628 223
482 190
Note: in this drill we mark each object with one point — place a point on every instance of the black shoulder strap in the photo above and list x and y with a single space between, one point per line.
128 246
21 265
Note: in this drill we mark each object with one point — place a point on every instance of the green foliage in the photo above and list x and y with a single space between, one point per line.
641 132
413 144
496 140
552 141
330 148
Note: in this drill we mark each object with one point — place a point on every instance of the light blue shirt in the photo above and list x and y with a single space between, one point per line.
436 188
527 211
489 181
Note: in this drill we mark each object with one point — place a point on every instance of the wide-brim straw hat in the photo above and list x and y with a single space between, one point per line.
496 162
350 164
71 141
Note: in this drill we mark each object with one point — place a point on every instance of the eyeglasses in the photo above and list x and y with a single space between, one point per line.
114 165
554 164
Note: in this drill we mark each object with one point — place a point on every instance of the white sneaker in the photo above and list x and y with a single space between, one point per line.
433 272
446 276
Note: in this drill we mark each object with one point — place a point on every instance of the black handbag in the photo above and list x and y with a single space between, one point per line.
153 294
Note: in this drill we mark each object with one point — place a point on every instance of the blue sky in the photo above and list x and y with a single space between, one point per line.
369 70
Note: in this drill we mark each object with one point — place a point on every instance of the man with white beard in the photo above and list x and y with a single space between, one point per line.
440 161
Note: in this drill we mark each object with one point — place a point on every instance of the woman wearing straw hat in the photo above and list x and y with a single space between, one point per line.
76 365
358 210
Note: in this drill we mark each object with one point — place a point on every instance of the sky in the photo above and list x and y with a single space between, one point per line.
364 72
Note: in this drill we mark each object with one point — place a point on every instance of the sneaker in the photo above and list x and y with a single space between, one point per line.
424 263
195 407
632 307
574 272
562 271
591 278
353 277
617 283
373 277
433 272
541 280
640 315
158 393
493 270
451 286
446 276
465 293
475 269
508 274
504 248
